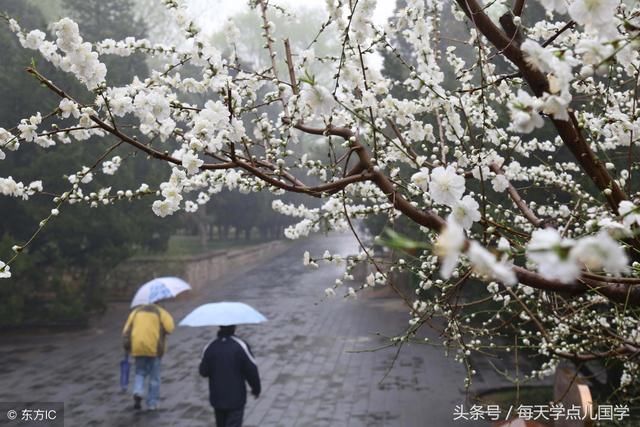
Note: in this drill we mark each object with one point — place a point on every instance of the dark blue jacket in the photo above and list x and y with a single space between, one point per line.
228 363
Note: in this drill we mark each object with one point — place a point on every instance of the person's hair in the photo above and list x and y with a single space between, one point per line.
226 331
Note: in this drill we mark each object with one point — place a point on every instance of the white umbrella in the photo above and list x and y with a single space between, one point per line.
223 314
159 289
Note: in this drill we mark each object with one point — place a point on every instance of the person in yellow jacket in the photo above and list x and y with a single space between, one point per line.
145 338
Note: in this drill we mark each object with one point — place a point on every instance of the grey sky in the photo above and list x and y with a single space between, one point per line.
211 14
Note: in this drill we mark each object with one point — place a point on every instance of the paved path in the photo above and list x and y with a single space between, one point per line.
312 354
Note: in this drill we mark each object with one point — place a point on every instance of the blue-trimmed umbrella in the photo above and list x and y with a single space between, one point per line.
159 289
223 314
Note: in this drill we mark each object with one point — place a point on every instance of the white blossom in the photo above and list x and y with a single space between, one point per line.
537 56
68 108
504 245
500 183
318 98
629 212
485 264
166 207
466 212
329 292
44 141
191 162
556 106
595 15
550 252
110 167
593 51
600 252
524 113
190 206
421 179
447 187
449 246
5 270
28 128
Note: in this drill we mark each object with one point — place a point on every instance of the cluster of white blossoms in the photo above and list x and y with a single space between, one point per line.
68 52
110 167
172 193
451 243
563 259
445 186
13 188
523 172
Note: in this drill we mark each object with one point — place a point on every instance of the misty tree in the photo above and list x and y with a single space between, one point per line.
538 200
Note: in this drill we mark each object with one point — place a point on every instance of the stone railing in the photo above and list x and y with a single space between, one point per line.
197 270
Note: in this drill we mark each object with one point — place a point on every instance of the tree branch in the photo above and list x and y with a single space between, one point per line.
518 7
569 131
519 201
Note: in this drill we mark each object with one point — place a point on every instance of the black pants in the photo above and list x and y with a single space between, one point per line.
229 417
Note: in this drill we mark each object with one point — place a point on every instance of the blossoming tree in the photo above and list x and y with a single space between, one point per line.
555 242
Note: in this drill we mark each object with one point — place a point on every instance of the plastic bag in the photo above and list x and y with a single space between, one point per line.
124 372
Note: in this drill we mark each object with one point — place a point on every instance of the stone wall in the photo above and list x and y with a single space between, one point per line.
197 270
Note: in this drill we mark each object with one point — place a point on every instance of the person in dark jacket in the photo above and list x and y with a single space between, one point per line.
228 363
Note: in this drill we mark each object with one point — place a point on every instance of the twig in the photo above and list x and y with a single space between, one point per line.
519 201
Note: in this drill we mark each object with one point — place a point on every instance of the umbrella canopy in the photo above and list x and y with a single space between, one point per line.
159 289
223 314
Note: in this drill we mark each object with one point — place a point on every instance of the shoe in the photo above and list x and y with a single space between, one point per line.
153 407
137 402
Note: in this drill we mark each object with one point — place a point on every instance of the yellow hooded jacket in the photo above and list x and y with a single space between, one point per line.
147 326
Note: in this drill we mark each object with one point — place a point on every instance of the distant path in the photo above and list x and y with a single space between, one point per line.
310 375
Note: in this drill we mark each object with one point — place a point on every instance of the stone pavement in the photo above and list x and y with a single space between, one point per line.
315 358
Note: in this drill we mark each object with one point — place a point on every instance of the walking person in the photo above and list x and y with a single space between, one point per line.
145 338
229 364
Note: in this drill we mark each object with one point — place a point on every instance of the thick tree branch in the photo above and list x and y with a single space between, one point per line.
316 191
